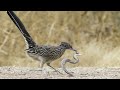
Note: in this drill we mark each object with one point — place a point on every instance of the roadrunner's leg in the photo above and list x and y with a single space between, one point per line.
40 66
53 68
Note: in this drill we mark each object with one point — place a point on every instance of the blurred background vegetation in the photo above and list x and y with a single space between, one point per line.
95 34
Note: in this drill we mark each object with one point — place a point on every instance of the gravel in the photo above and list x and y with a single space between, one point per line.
47 73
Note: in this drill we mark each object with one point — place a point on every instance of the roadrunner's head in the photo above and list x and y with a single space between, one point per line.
67 46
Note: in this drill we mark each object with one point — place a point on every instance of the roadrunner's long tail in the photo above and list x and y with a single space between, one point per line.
22 28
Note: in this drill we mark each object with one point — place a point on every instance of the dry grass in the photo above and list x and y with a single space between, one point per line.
96 35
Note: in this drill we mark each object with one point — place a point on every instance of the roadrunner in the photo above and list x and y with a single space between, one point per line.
45 54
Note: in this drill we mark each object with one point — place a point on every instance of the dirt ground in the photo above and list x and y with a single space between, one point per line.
47 73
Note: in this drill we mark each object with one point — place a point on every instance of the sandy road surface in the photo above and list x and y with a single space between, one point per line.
47 73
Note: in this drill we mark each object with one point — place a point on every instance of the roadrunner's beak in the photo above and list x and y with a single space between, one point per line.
73 49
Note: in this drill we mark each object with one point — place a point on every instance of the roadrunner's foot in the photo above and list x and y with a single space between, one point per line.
38 69
70 75
53 68
58 72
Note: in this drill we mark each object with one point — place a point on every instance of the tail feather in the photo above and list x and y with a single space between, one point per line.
22 28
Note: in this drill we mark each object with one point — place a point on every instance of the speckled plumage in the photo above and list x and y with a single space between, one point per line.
43 53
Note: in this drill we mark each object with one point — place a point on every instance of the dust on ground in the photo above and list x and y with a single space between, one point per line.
47 73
